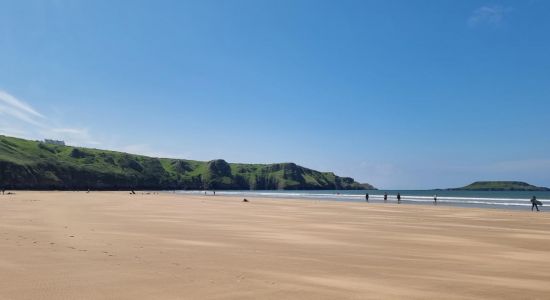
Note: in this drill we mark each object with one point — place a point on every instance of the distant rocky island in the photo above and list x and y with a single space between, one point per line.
48 165
500 186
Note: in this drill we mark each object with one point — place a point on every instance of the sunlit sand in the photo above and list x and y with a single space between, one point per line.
112 245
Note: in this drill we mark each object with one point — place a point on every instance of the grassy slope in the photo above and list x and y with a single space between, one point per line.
35 165
501 186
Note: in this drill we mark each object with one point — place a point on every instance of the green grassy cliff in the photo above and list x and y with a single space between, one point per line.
26 164
501 186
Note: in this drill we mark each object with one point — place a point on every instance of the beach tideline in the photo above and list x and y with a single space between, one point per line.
112 245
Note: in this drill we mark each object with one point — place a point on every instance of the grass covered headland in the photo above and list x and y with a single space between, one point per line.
26 164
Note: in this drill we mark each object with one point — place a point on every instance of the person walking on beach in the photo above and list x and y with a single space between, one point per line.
398 198
367 197
435 199
535 203
385 197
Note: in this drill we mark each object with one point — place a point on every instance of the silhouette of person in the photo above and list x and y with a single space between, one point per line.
535 203
367 197
385 197
398 198
435 199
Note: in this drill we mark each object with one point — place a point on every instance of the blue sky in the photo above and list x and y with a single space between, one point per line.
400 94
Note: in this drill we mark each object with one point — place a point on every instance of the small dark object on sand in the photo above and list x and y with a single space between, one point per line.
245 200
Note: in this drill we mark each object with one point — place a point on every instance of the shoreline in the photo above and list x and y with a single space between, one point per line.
469 201
165 246
280 195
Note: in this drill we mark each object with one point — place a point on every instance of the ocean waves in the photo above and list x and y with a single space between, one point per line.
459 198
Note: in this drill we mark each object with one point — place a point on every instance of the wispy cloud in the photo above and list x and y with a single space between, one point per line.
22 120
18 118
147 149
491 15
72 135
13 107
18 104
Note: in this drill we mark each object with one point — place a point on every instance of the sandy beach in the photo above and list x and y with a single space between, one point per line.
112 245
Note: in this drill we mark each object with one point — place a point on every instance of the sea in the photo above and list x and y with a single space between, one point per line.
479 199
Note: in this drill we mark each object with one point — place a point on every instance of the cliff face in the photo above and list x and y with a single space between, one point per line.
28 164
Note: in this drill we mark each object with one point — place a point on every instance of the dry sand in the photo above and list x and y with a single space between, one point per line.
68 245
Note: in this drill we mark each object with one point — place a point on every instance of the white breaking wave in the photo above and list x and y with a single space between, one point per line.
458 200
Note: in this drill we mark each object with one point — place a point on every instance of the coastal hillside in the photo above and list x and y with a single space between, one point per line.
26 164
500 186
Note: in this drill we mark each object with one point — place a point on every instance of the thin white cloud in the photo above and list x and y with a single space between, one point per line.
22 120
18 109
19 105
18 114
492 15
71 131
146 149
9 131
73 136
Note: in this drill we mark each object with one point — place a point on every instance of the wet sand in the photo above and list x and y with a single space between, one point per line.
107 245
